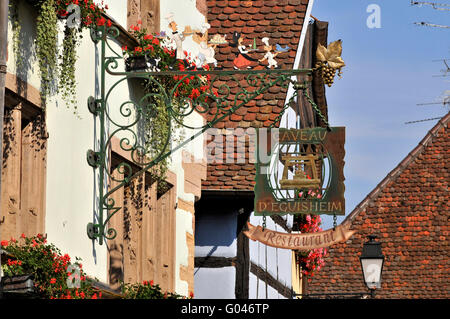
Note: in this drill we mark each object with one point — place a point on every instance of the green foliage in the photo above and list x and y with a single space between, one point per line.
47 46
53 64
49 269
68 58
184 92
16 30
147 290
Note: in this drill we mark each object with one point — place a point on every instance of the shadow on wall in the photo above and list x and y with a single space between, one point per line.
215 228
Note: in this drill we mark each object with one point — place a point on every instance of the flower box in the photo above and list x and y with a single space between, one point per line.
136 63
20 285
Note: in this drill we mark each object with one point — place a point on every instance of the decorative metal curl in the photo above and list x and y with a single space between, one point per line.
226 91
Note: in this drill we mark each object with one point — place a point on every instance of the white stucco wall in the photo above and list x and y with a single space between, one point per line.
185 13
215 283
72 185
279 261
184 219
257 289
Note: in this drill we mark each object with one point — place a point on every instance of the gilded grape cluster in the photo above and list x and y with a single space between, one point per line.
327 72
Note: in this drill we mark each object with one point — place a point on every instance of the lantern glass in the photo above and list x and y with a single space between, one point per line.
372 268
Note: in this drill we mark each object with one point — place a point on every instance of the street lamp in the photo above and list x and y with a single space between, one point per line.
372 264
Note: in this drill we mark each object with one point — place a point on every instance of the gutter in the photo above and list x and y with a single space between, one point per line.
298 55
4 5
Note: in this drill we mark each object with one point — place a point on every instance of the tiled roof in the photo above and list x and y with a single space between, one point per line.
281 21
409 212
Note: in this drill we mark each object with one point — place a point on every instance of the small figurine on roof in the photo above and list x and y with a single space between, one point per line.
242 60
206 51
270 56
177 37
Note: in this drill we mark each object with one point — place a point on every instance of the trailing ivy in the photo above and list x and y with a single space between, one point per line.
68 58
157 130
16 31
47 46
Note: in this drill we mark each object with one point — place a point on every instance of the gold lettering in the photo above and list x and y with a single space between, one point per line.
322 206
303 136
304 206
260 204
292 209
285 207
336 206
322 134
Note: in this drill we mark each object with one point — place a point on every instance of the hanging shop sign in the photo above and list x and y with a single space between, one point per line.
300 171
307 241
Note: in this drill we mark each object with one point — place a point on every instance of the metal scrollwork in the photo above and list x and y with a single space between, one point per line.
227 91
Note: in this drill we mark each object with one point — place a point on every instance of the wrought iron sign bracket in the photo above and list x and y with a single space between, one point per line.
94 105
226 92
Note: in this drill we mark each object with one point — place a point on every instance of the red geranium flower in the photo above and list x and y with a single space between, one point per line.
4 243
101 21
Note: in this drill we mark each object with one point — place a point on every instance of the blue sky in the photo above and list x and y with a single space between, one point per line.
389 71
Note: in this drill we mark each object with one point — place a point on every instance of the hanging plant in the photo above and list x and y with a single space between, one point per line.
89 14
313 260
68 58
47 46
53 64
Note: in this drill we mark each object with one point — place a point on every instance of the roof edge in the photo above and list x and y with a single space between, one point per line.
399 168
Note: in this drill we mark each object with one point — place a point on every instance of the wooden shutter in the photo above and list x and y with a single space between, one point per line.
144 248
11 170
23 175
